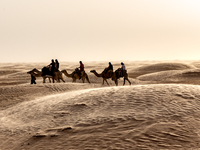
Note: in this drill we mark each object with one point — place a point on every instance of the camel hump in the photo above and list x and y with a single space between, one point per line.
45 71
120 73
76 70
105 70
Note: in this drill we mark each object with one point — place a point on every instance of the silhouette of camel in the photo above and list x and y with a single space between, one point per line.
74 75
57 75
104 75
117 75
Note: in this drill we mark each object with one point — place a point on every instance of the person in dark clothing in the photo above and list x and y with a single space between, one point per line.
56 65
120 72
109 69
33 78
81 66
123 69
81 69
52 67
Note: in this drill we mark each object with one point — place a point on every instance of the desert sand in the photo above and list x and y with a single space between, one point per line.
159 110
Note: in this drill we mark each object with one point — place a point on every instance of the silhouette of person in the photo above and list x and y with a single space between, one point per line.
123 69
33 78
52 67
56 65
109 69
81 68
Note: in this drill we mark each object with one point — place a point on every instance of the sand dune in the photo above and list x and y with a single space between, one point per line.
173 76
146 115
150 116
165 66
157 67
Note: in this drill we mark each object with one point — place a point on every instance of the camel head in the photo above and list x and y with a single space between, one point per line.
32 71
92 71
29 72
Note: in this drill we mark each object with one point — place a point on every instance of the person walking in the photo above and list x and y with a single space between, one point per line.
33 78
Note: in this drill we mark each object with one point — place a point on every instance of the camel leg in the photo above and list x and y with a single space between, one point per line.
62 80
116 82
43 79
87 79
57 80
129 81
59 77
124 81
83 79
106 82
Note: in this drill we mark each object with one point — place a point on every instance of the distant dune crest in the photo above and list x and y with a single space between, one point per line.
165 66
157 67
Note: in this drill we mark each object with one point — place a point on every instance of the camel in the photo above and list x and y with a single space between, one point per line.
57 75
75 76
104 75
117 75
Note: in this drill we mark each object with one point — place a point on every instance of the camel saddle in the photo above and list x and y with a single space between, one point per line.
120 73
46 72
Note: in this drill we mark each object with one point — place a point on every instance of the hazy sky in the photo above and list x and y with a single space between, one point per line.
99 30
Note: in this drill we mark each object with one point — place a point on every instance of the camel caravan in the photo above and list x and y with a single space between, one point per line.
53 73
108 73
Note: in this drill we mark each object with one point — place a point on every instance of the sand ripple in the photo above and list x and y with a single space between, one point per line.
140 117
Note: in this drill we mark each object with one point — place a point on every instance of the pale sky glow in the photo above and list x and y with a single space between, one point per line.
99 30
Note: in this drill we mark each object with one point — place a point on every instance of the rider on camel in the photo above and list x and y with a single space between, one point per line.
56 65
123 69
109 69
81 69
52 67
